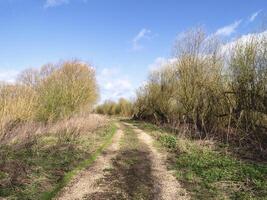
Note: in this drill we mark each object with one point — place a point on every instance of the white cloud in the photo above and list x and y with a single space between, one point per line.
106 72
229 29
226 48
160 62
254 15
143 34
8 76
54 3
114 85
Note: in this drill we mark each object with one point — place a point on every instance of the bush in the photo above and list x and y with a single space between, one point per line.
17 104
248 73
51 93
210 93
68 89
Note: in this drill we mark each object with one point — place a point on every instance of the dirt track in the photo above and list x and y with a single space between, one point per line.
86 182
169 186
130 168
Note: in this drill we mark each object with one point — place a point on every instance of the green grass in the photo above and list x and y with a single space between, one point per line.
168 141
211 174
41 168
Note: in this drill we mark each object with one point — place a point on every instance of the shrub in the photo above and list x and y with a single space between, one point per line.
208 92
17 104
248 73
68 89
53 92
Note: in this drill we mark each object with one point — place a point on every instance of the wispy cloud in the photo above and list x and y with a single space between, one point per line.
229 29
54 3
142 34
254 15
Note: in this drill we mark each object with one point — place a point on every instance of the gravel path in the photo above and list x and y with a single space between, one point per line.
120 172
86 182
169 186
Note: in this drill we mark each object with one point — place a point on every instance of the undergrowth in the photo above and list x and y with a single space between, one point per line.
211 173
41 167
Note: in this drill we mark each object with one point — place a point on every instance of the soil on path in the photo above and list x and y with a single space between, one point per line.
130 177
170 189
85 182
131 168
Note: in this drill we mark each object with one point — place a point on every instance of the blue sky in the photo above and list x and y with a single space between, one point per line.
123 39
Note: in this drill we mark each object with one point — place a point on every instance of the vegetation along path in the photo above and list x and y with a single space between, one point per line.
170 188
85 182
130 168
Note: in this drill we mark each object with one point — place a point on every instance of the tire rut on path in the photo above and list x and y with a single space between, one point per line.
86 182
130 176
127 170
169 187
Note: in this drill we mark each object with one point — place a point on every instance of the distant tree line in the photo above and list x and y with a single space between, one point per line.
122 108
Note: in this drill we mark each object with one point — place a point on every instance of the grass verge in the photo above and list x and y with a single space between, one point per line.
43 166
211 172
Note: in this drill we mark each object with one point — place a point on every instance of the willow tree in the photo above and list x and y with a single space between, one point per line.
248 84
198 71
68 88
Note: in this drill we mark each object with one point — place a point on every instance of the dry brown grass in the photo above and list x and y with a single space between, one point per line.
78 124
